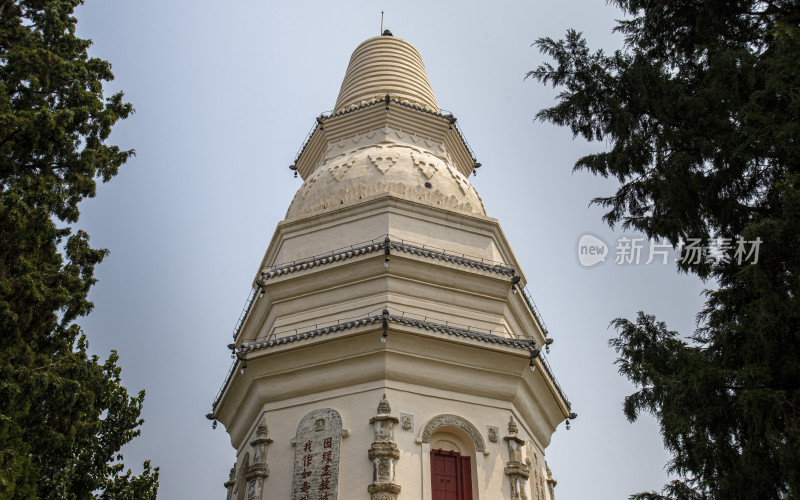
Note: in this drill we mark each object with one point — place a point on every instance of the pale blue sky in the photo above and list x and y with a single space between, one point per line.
225 93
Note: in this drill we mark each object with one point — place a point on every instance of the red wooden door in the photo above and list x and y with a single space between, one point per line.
466 478
450 476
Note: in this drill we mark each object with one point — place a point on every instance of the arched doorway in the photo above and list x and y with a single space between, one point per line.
453 446
451 475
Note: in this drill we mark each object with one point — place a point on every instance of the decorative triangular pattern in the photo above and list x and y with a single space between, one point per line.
338 170
310 182
459 181
383 162
427 164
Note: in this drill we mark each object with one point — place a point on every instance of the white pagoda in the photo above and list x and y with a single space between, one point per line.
390 349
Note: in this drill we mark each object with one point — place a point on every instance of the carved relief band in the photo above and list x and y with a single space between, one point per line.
458 423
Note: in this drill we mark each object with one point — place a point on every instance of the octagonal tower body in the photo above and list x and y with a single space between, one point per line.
385 352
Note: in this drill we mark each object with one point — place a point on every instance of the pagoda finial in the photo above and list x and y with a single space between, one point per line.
383 406
512 427
262 430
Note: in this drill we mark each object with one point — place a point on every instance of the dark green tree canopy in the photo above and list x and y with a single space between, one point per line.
700 109
701 113
63 414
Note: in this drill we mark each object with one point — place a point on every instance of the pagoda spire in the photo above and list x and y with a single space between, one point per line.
384 65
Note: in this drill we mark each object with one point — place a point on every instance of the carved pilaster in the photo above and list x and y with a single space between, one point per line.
384 454
537 483
230 482
258 471
515 469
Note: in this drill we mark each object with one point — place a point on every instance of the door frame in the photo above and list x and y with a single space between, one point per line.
463 473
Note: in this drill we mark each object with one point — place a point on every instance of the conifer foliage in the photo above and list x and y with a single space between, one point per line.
63 414
701 114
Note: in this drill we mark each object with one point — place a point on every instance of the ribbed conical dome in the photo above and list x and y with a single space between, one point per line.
386 65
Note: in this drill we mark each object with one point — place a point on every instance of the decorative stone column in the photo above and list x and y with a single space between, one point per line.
551 483
515 469
258 471
230 482
384 454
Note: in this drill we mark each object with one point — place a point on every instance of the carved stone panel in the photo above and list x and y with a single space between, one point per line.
407 422
493 432
316 457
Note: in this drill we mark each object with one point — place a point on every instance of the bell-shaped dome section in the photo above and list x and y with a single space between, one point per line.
386 65
405 172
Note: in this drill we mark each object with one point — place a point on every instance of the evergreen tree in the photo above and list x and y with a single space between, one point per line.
63 414
701 112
